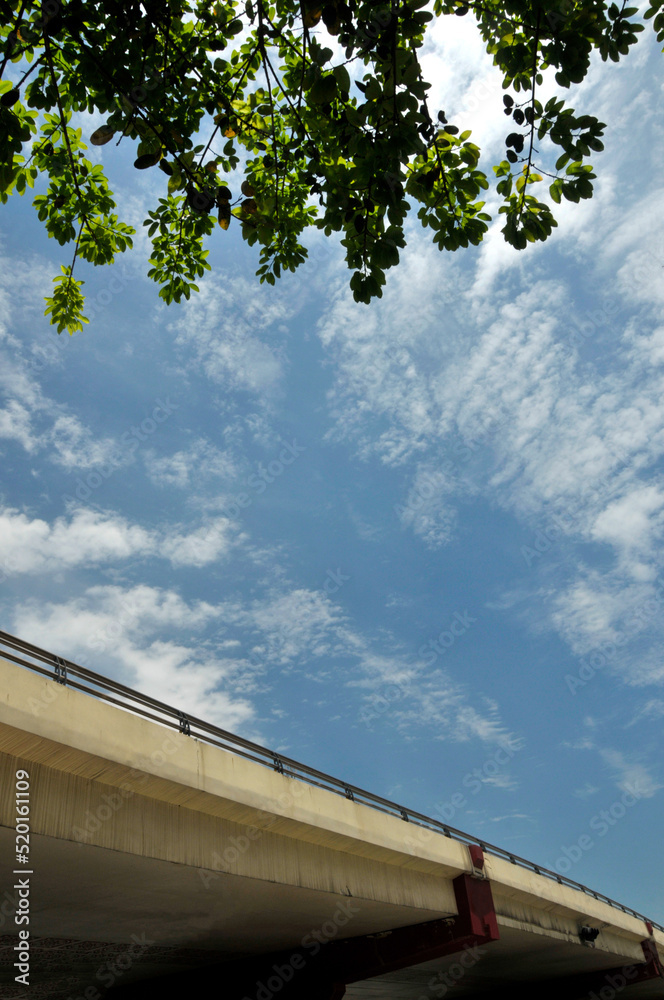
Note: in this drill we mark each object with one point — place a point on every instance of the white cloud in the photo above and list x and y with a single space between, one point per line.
86 538
555 393
201 546
120 633
77 448
630 776
140 632
653 709
40 423
297 628
633 524
414 698
15 424
585 743
382 396
472 724
586 612
24 281
200 461
366 529
220 328
297 624
90 538
586 791
427 508
23 403
614 621
501 819
503 780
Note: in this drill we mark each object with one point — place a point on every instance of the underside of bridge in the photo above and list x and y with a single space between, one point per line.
107 921
160 862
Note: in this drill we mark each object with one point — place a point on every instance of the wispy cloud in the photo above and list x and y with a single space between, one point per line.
653 709
630 776
221 331
586 791
39 423
200 462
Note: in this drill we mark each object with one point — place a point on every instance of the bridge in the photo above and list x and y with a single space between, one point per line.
141 848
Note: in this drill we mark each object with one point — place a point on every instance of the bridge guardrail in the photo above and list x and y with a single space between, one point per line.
67 672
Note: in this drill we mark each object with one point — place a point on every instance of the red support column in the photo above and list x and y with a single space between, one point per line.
374 955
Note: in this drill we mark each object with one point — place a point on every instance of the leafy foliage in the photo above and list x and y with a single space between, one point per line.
321 105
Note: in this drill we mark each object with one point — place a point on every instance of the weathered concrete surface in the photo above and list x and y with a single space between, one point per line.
138 829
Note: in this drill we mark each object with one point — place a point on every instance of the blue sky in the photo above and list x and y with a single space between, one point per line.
418 544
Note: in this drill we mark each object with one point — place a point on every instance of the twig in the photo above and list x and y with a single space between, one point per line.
532 123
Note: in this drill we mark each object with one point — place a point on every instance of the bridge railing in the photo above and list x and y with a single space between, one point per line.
64 671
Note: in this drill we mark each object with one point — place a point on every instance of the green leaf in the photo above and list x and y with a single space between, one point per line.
342 78
324 89
65 306
280 103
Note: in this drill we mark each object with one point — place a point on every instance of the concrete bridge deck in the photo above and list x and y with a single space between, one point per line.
155 854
